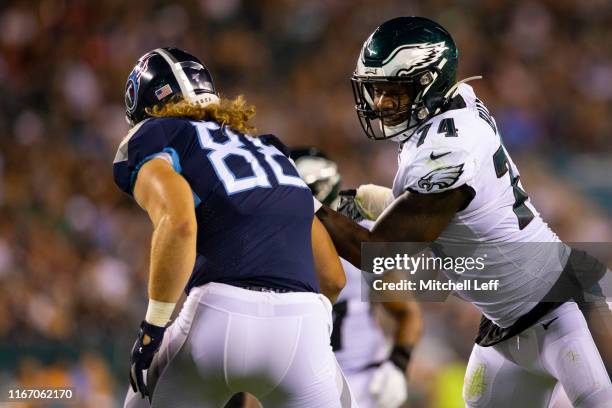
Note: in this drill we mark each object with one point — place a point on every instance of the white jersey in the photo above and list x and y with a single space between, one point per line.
462 146
358 340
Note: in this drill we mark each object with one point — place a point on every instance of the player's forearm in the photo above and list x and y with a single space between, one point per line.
168 200
407 315
346 234
330 273
409 325
173 250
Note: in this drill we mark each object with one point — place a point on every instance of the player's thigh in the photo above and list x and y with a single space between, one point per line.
493 381
570 354
332 392
314 378
184 386
259 351
596 311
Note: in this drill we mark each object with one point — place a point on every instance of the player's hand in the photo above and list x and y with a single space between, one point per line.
146 345
389 386
347 205
372 200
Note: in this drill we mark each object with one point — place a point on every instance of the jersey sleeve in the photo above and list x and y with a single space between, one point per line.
435 170
153 138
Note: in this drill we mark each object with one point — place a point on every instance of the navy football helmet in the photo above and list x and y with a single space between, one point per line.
163 74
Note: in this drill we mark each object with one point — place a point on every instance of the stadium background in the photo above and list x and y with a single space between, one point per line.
73 249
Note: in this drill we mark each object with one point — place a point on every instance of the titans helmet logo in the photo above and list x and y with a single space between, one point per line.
133 83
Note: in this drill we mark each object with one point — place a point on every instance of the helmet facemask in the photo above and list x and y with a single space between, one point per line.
405 116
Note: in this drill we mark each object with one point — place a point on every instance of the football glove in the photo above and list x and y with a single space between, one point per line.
146 345
389 386
348 207
372 200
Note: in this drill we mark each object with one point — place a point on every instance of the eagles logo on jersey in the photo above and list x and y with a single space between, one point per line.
442 177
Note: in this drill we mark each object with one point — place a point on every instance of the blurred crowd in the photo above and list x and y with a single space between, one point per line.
73 248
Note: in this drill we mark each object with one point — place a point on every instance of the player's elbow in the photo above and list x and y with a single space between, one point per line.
185 228
180 226
333 285
339 281
407 315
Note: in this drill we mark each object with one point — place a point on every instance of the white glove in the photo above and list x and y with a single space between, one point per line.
389 386
372 200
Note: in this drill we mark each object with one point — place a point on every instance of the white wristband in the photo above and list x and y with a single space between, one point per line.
317 204
159 313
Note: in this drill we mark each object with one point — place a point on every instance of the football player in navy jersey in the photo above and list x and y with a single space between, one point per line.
234 226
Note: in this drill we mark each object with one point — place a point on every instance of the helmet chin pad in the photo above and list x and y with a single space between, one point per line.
400 132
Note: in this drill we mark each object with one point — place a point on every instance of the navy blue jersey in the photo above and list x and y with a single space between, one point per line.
254 213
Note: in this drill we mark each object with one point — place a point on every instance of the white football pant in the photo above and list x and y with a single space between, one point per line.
523 370
275 346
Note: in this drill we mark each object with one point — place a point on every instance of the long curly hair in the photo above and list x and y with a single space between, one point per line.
234 113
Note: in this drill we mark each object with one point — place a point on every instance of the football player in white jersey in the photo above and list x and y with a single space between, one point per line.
375 370
456 184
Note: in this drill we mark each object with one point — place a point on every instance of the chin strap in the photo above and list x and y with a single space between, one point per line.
451 92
